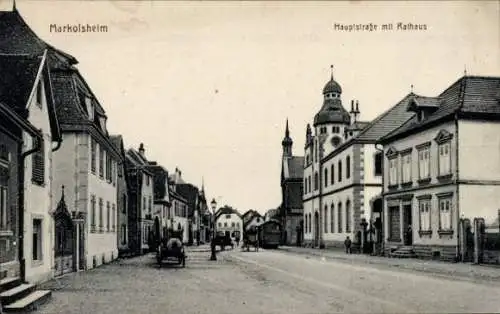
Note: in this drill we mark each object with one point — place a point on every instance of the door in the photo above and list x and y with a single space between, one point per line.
407 224
64 245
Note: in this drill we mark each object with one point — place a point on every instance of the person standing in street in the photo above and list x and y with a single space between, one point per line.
347 244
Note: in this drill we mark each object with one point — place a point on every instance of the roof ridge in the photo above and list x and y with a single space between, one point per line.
382 115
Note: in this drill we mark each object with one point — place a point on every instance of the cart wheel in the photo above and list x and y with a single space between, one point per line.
184 262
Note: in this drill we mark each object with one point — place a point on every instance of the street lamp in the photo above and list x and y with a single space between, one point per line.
213 257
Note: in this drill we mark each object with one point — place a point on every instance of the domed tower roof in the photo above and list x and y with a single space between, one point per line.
332 110
332 87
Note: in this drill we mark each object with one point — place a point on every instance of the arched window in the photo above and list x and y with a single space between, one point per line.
348 216
325 220
305 185
339 170
326 177
305 223
339 218
316 186
332 174
310 225
309 184
332 218
348 167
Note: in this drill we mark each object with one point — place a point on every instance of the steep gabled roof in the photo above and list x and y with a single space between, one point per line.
16 37
226 210
469 96
190 193
293 167
19 76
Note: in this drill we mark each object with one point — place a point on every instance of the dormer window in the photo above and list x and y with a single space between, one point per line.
89 106
102 122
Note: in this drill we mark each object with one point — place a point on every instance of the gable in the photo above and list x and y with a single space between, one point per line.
443 136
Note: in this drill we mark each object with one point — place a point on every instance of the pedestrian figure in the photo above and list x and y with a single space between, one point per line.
409 235
237 241
347 244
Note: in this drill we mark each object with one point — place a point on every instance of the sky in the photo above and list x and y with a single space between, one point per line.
208 86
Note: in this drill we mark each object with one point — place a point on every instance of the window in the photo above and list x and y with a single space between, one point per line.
93 150
150 206
233 224
89 105
424 208
444 162
406 168
305 185
332 218
4 187
348 167
325 220
309 183
332 174
147 180
38 164
228 216
37 240
101 204
445 213
108 167
393 171
339 170
92 213
326 177
113 217
225 224
424 163
316 179
108 216
124 233
101 162
310 224
339 218
378 163
124 203
144 204
348 216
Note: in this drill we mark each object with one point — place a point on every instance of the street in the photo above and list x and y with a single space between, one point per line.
263 282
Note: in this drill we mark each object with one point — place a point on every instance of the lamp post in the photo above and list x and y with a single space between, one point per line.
213 204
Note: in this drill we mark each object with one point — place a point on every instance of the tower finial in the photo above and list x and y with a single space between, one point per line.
465 69
202 184
331 70
14 5
287 130
62 195
411 88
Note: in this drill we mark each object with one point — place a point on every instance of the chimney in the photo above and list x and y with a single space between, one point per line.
141 149
352 113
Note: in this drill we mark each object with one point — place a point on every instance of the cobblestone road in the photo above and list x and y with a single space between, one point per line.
263 282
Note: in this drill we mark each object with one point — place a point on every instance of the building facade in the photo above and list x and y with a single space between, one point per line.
435 187
291 208
121 198
141 195
178 212
162 202
343 172
228 220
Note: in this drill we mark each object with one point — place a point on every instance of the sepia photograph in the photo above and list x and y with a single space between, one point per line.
202 157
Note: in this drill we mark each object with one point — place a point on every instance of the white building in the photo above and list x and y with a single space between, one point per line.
229 221
343 169
442 172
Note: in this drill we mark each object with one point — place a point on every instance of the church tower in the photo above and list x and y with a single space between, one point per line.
332 119
287 142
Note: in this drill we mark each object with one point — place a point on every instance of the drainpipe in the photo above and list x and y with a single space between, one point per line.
20 170
59 142
459 236
382 216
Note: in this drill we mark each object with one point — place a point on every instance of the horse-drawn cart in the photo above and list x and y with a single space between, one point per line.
172 248
251 238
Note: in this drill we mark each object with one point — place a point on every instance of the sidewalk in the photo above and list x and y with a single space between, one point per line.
463 271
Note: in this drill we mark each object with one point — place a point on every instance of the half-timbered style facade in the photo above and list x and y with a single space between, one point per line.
439 188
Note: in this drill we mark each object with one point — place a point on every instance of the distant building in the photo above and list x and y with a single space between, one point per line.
162 202
291 208
228 220
251 218
140 200
178 212
442 170
205 216
122 187
191 194
272 214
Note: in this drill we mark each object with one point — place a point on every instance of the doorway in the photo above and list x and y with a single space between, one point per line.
407 224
